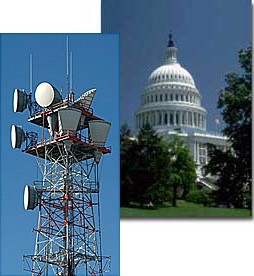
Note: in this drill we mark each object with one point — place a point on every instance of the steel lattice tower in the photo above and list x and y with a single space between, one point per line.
68 233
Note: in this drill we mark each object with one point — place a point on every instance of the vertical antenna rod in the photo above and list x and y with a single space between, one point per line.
29 97
31 72
67 66
71 86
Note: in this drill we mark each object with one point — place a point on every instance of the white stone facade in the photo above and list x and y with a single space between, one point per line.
171 104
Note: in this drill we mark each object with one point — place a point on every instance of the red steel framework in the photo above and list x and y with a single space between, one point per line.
68 234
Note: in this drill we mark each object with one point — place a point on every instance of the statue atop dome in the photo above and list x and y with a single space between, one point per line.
171 42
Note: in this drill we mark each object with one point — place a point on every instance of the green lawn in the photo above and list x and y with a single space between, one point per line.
185 210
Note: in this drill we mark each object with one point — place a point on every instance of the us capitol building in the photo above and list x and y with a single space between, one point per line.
171 104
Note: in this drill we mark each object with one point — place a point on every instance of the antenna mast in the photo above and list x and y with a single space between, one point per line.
31 72
67 66
68 233
71 86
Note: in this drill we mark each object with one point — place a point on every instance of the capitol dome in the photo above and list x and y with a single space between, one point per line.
173 73
171 104
171 99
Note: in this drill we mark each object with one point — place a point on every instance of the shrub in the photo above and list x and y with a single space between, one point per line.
199 197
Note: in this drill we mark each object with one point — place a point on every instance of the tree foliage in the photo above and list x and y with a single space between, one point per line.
149 173
234 166
182 168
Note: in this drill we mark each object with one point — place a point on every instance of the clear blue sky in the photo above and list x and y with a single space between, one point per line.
209 35
95 64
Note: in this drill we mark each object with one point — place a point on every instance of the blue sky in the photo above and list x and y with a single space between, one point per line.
209 35
95 64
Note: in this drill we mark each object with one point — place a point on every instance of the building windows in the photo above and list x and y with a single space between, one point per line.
183 118
160 119
171 97
171 119
177 118
195 119
151 98
202 154
156 98
161 97
182 98
166 97
199 120
165 119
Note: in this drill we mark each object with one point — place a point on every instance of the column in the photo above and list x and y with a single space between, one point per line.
150 118
174 118
197 154
181 118
155 118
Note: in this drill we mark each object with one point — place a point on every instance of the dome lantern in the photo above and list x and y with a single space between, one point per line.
171 52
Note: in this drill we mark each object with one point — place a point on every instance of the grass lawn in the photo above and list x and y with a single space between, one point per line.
185 210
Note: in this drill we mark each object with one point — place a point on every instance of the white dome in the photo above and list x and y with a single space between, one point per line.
171 99
173 72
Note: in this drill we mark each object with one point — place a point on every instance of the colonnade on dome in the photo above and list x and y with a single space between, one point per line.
172 119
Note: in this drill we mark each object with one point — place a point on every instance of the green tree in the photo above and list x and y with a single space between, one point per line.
152 167
182 168
126 182
234 166
144 167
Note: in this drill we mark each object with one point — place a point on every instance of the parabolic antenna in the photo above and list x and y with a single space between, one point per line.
86 99
17 136
30 197
46 95
99 130
19 100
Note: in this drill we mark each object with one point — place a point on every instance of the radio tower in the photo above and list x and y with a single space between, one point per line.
66 192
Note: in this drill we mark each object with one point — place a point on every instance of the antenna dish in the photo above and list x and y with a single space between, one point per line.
30 198
86 99
17 136
20 100
46 95
99 132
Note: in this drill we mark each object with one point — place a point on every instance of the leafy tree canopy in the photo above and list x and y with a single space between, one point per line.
234 166
151 167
